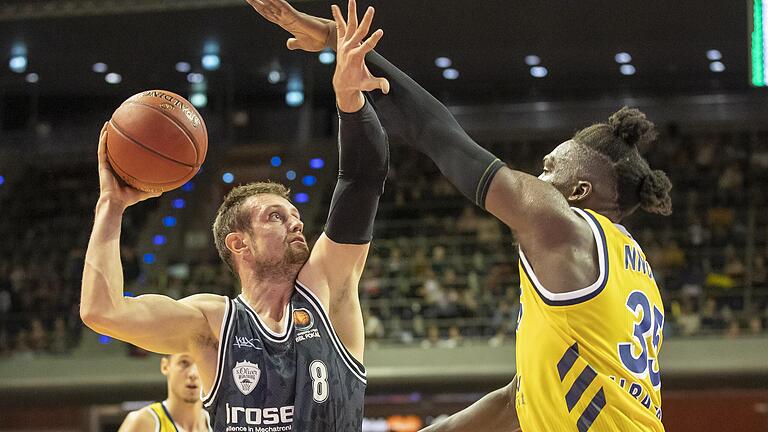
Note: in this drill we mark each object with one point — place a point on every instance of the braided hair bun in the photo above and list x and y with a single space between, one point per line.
654 193
631 126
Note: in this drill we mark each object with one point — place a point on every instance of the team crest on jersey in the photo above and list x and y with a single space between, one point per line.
246 376
303 319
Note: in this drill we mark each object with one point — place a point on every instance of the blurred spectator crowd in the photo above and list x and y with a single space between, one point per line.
440 271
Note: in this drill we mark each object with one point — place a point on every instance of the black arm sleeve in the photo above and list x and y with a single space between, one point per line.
413 116
363 167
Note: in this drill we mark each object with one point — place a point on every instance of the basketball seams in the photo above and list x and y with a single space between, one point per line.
177 123
142 185
122 132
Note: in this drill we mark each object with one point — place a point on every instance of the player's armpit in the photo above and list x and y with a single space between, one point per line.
333 273
139 421
494 412
159 323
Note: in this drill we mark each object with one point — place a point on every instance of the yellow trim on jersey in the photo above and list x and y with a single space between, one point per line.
587 360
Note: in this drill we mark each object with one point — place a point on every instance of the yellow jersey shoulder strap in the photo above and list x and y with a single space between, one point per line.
163 420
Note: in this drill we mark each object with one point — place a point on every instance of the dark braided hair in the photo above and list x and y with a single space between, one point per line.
637 183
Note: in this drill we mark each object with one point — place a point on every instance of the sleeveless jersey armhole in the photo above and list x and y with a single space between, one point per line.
354 366
579 295
224 337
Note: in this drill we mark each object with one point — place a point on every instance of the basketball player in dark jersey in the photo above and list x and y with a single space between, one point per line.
591 324
286 354
182 410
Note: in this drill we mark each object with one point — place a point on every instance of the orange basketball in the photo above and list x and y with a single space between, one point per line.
156 141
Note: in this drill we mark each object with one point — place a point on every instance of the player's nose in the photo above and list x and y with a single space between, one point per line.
297 225
193 374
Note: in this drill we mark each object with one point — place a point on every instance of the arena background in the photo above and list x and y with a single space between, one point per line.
440 291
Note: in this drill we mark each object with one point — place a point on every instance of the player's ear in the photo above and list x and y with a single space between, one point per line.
581 191
165 365
236 242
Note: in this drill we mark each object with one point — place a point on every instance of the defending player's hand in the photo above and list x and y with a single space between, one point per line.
352 75
310 33
111 187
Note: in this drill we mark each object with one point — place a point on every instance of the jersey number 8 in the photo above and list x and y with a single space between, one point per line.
319 374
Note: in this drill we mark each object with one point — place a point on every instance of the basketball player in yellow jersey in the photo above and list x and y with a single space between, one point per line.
182 411
590 329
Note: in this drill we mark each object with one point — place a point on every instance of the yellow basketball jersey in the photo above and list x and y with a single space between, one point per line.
587 360
163 420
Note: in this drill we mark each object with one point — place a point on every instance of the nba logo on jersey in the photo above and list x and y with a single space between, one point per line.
246 376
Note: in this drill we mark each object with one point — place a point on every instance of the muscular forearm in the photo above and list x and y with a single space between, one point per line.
102 287
494 412
413 116
363 166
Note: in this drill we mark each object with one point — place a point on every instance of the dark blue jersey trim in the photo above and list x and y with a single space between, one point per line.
603 243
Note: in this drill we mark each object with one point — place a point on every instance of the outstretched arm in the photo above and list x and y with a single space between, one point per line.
494 412
338 258
145 320
538 214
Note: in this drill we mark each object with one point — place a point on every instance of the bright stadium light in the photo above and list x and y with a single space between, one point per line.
183 67
99 67
714 55
532 60
717 66
539 71
113 78
627 69
622 58
327 56
443 62
450 74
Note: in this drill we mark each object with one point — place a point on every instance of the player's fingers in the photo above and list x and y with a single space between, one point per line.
292 44
376 84
351 17
365 26
258 5
103 141
341 26
371 42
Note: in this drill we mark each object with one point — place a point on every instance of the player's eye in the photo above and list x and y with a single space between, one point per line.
275 216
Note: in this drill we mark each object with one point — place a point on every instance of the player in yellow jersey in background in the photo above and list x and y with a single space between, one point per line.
591 323
182 411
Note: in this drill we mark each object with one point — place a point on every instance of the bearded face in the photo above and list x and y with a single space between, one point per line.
275 238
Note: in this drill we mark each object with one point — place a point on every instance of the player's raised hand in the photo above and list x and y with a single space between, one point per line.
352 75
310 33
110 187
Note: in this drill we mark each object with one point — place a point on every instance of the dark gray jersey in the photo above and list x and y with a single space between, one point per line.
303 380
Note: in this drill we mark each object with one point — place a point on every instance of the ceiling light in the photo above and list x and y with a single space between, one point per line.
717 66
195 78
183 67
32 78
714 54
627 69
99 67
113 78
327 57
539 71
18 64
211 62
443 62
450 74
622 58
532 60
200 100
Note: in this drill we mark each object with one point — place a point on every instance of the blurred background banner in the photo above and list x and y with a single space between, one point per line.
440 292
